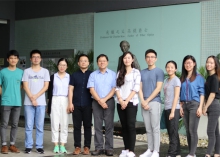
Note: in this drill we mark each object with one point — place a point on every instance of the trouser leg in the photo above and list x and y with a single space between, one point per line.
5 114
98 114
172 129
109 123
87 123
15 114
77 123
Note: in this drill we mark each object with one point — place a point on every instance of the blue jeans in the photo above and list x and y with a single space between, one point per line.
34 115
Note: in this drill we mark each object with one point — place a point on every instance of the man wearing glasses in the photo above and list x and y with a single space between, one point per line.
35 82
151 83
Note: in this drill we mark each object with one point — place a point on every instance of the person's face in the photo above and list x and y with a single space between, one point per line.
102 63
210 64
170 68
151 59
83 62
13 60
189 65
124 47
62 66
127 60
35 59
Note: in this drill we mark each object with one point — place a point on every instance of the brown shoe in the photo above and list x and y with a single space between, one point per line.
86 151
14 149
77 151
4 149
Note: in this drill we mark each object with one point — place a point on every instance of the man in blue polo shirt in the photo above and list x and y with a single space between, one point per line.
102 83
80 104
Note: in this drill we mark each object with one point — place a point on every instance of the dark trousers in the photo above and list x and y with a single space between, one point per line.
128 119
6 112
82 114
172 129
106 115
213 128
191 122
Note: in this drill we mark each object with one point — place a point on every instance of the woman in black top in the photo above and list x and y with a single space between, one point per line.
212 106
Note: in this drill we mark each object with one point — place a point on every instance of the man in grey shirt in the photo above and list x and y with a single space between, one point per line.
151 84
35 82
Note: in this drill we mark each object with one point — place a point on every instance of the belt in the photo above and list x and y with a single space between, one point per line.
186 102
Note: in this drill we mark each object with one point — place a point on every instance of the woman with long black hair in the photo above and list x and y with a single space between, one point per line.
212 106
128 85
192 99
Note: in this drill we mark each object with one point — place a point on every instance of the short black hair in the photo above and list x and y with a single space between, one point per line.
12 53
150 51
102 55
83 55
35 51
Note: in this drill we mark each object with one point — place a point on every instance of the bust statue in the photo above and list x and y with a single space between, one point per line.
124 45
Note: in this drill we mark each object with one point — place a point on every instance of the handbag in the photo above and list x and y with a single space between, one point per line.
163 121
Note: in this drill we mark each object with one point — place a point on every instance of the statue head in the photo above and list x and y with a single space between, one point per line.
124 45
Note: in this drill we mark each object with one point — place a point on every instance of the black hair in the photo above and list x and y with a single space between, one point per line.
122 72
185 73
62 59
102 55
217 66
150 51
35 51
83 55
12 53
173 62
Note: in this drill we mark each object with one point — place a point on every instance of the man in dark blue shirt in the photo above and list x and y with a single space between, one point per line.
80 104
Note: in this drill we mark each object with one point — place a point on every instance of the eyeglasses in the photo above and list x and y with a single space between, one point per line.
62 65
150 57
188 63
36 57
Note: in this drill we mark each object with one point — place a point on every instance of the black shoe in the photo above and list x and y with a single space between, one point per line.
40 150
98 152
109 152
28 150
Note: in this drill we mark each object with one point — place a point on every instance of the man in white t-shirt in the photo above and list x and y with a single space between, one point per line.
35 82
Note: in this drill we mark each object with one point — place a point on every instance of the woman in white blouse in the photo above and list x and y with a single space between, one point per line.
128 85
57 105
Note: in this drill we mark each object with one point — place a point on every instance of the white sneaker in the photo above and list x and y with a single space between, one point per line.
191 156
155 154
124 153
148 153
130 154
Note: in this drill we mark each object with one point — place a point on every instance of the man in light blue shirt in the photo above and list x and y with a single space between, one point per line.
102 83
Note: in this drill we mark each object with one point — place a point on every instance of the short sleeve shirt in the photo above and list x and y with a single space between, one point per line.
102 82
35 83
169 92
81 94
212 85
149 79
11 87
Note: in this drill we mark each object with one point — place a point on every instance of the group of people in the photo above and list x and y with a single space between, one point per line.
84 93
